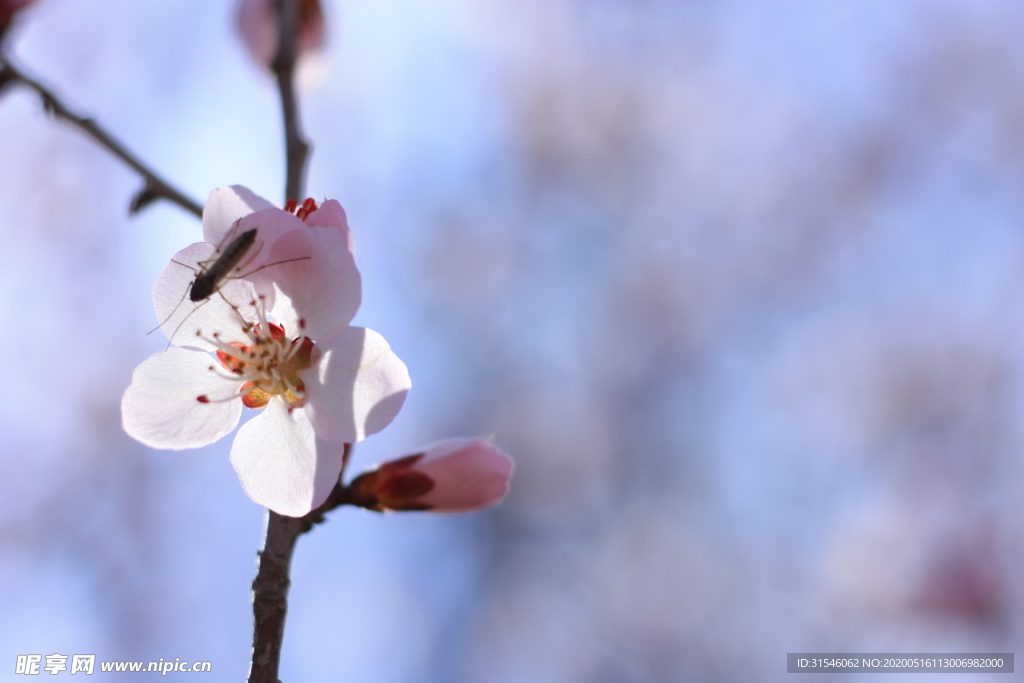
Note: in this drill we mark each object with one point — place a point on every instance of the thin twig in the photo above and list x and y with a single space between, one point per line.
155 187
296 145
270 588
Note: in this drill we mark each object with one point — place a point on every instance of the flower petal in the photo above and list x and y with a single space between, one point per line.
160 406
468 474
225 206
332 215
282 464
183 320
319 295
357 387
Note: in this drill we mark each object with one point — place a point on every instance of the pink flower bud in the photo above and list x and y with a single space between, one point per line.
455 475
257 21
8 8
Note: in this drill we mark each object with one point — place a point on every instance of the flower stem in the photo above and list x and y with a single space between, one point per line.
270 588
155 187
296 146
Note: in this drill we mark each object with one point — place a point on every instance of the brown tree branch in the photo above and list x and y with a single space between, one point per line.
155 187
270 588
296 146
270 596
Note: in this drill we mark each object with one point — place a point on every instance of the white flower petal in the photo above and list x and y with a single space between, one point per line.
161 409
356 388
320 295
282 464
225 206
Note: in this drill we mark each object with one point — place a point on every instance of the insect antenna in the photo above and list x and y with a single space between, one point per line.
275 263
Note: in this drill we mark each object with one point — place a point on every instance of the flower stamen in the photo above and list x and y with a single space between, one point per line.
204 398
266 366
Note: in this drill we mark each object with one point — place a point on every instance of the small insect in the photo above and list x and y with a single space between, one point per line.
208 279
233 253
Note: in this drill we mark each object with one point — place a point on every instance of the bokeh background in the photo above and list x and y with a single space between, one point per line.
739 285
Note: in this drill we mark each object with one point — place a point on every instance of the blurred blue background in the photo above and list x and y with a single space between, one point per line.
739 285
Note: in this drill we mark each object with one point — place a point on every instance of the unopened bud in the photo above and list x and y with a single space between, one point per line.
258 24
9 8
455 475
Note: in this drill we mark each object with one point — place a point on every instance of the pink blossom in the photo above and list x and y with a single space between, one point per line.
455 475
283 344
257 22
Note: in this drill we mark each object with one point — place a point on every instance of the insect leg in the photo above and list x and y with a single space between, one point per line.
185 265
171 335
182 299
175 310
246 325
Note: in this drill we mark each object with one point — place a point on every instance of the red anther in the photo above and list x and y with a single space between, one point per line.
309 205
302 323
290 205
203 399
